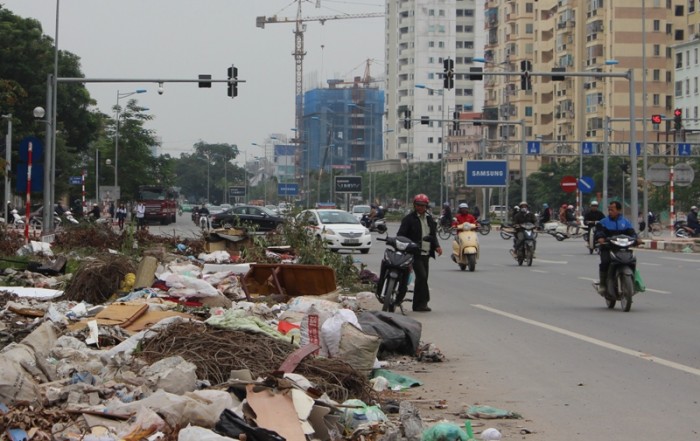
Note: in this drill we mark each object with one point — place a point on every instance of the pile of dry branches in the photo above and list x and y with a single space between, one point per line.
97 279
216 352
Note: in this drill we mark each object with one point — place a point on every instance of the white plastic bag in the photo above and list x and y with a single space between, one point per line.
331 331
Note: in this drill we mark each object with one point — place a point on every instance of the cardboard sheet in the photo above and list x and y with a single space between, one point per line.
275 411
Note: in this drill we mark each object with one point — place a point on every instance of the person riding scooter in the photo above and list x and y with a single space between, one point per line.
611 225
692 220
465 248
521 217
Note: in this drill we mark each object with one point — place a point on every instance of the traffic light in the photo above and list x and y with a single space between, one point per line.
476 73
232 81
656 119
455 121
406 119
678 119
525 79
449 73
558 77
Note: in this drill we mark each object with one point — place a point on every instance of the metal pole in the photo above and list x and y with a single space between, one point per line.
442 152
47 150
48 214
116 147
8 163
634 195
523 169
645 201
606 150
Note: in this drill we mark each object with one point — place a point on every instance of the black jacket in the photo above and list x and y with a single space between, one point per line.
593 216
410 228
524 217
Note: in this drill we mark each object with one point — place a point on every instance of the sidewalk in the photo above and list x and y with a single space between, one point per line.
668 242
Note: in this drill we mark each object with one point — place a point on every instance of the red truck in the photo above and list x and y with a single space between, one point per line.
160 202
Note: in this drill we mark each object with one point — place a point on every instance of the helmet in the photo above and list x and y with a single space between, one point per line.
446 205
373 206
570 207
545 205
522 203
563 205
463 205
421 199
594 203
693 208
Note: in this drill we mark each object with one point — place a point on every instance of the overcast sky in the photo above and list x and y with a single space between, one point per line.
179 39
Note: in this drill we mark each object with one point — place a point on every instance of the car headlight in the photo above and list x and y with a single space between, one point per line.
328 231
366 231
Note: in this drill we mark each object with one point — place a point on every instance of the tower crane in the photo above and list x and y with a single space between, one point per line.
299 50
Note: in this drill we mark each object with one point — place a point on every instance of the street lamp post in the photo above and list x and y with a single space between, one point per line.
116 133
8 162
265 167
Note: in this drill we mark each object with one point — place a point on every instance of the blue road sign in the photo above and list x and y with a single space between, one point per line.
587 148
533 147
75 180
37 178
480 173
585 184
284 189
684 149
37 150
639 149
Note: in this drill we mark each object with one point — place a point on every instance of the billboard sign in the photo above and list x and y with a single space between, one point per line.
486 173
348 184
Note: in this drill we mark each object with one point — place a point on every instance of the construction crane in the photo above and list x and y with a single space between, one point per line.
299 51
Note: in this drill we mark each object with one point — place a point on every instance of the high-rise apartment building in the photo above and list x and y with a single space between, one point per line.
579 36
420 36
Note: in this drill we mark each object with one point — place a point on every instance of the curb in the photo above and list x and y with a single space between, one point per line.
673 245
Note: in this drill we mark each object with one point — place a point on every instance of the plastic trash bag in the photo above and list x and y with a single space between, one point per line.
444 431
639 285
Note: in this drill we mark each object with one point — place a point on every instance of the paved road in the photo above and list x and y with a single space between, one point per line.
540 341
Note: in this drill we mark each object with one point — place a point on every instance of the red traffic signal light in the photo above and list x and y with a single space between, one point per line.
656 119
678 113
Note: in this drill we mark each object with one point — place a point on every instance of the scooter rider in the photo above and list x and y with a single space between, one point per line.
464 216
611 225
593 215
693 220
523 216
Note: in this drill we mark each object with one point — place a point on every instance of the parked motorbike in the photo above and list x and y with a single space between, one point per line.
37 222
620 277
589 237
556 229
683 231
17 220
444 228
484 227
525 250
376 226
465 247
68 215
395 269
507 231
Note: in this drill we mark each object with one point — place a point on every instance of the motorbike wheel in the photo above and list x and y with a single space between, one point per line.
626 287
680 232
529 254
505 236
471 261
444 233
462 266
381 229
610 302
559 236
485 229
521 257
389 295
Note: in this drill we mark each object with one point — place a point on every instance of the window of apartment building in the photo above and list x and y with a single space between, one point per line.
691 6
679 35
656 75
695 85
529 8
431 44
669 4
441 29
468 45
668 76
469 29
430 140
459 28
669 53
528 110
679 60
679 88
678 11
529 28
459 44
669 29
695 56
657 25
669 102
458 92
441 44
687 58
431 60
441 13
695 112
687 86
657 50
656 99
431 12
431 108
468 92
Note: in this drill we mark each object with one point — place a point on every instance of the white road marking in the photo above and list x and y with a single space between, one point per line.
679 259
648 264
540 271
595 341
562 262
658 291
589 279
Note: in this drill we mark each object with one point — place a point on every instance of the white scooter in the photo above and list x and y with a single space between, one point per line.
17 220
465 247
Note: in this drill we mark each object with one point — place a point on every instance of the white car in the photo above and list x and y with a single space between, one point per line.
338 229
360 210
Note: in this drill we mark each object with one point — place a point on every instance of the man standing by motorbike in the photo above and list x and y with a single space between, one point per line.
610 226
416 225
523 216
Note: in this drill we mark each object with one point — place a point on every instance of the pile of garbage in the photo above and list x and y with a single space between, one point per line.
191 348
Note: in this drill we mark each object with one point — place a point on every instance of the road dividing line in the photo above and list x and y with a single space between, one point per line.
680 259
648 264
540 271
657 291
595 341
588 278
561 262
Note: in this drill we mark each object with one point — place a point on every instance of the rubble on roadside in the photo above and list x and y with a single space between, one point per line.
189 348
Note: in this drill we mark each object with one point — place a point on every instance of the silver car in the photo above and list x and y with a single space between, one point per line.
338 229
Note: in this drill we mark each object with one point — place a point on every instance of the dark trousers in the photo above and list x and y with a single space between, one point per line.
421 292
604 259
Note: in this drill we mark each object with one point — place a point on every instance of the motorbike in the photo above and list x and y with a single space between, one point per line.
525 251
395 269
507 231
620 277
556 229
483 227
375 226
17 220
68 215
465 247
683 231
444 228
589 237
